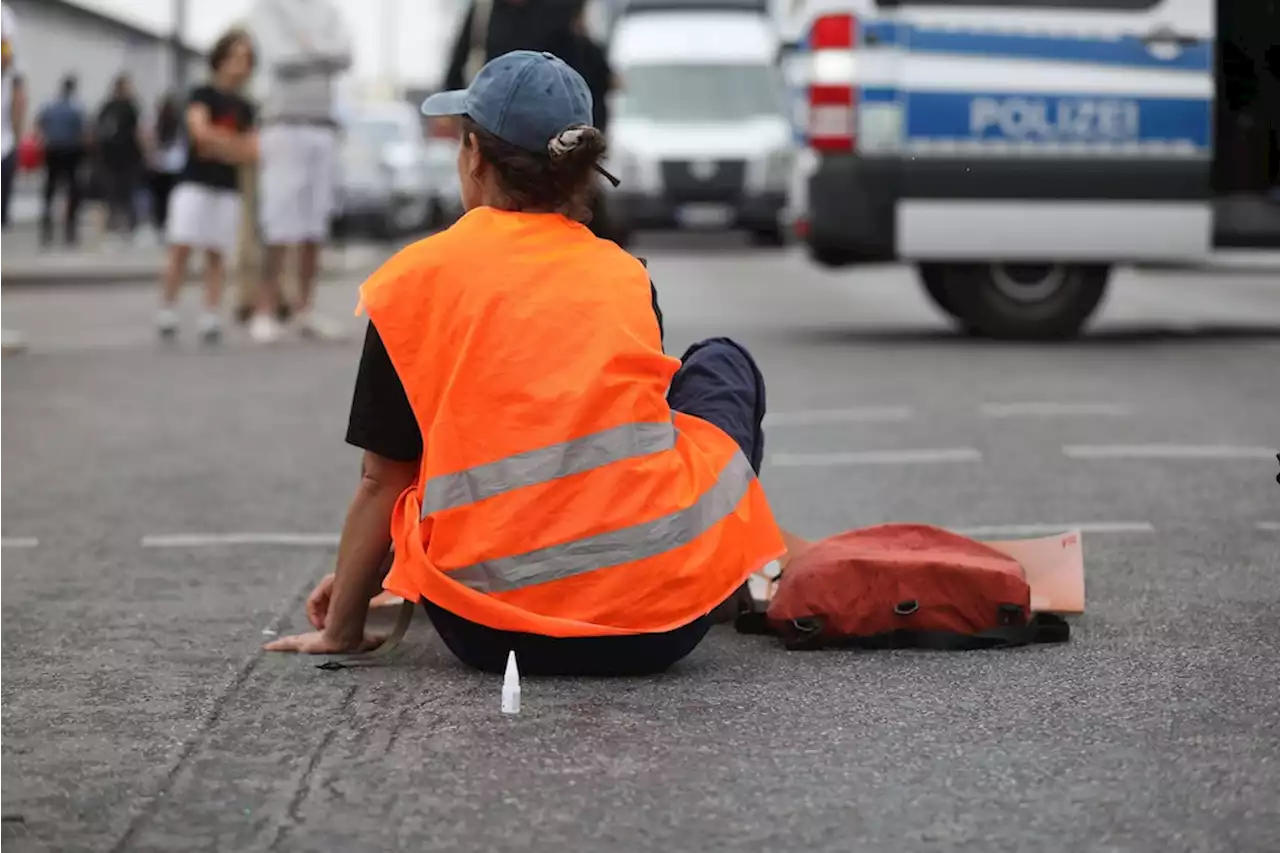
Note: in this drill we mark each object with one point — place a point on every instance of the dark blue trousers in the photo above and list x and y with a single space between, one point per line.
719 382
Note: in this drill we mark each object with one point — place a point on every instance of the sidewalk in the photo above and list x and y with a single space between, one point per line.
23 263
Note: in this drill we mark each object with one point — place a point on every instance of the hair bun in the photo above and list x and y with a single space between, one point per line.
571 139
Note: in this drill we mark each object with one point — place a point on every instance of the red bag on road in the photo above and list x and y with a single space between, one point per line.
904 586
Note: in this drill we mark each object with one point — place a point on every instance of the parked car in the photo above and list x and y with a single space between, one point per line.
392 182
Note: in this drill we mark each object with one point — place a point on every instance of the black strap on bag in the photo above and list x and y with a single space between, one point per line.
807 635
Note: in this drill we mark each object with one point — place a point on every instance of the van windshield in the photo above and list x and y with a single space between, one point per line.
694 93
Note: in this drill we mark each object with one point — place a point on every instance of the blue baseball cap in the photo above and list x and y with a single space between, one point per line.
523 97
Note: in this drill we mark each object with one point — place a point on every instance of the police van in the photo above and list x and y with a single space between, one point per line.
1016 150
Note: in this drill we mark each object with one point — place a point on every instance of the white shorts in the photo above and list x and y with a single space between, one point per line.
204 218
297 183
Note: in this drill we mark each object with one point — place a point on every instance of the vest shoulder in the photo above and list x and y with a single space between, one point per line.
607 251
410 268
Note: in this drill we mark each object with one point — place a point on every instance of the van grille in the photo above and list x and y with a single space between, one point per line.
693 180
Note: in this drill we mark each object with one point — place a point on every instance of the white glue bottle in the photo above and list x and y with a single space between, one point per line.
511 686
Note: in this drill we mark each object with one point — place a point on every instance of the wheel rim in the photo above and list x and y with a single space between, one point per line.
1028 283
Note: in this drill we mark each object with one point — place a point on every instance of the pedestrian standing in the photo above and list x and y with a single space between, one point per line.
118 137
494 27
13 113
63 130
586 56
168 157
204 211
13 110
304 45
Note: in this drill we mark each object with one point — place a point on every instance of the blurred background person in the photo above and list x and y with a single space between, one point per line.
303 47
204 212
13 113
63 132
494 27
13 110
168 157
118 144
589 58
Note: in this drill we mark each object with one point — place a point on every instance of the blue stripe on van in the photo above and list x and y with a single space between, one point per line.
1125 51
1057 117
877 95
1122 51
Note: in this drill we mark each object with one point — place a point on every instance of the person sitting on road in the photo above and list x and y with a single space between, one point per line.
547 480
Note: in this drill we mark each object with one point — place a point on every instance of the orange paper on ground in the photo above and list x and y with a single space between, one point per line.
1054 567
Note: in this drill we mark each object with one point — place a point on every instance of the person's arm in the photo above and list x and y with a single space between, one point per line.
19 109
280 51
41 127
382 423
214 142
143 136
331 50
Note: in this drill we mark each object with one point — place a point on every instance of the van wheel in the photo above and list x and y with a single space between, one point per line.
933 277
1024 301
825 256
771 236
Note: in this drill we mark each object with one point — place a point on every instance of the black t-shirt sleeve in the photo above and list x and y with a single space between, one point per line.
206 95
657 312
249 115
381 420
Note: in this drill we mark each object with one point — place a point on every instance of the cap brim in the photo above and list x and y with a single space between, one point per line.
446 104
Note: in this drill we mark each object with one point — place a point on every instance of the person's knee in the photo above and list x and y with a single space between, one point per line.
725 357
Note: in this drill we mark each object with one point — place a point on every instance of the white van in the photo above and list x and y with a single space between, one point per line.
699 132
1015 150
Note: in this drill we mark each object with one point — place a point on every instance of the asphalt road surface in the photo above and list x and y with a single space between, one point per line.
166 510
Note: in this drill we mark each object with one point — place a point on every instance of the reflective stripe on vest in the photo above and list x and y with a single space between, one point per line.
638 542
629 441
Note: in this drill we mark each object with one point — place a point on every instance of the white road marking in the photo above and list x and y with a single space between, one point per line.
206 540
1269 526
1053 410
1166 451
858 414
876 457
19 542
1029 530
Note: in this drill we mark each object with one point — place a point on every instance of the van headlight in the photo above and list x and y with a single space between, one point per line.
778 167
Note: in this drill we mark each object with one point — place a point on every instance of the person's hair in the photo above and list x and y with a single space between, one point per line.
561 180
226 43
69 84
122 85
168 120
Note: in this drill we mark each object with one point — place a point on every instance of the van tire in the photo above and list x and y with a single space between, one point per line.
770 237
832 258
1024 301
933 278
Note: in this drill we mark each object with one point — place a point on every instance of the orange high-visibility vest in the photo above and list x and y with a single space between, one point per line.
559 494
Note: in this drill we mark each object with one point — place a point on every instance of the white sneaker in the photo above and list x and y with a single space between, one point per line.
167 323
12 342
210 328
312 325
263 329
